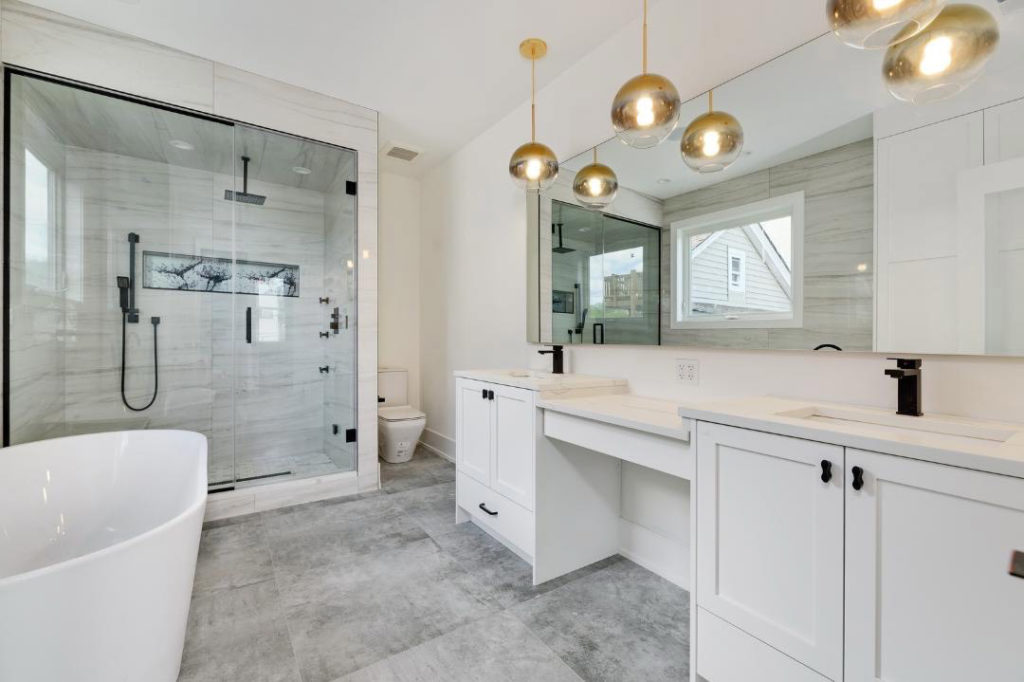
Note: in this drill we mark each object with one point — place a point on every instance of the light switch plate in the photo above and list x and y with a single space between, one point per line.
688 371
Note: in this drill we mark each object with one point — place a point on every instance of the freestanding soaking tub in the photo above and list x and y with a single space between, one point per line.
98 542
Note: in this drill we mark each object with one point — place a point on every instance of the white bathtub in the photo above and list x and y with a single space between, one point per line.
98 542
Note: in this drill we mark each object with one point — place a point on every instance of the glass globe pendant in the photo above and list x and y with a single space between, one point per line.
712 141
595 185
943 59
646 108
875 24
533 165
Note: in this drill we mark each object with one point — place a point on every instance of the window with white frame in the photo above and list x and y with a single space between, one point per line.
741 267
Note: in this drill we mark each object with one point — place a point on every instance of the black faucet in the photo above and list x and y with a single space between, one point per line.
908 374
557 359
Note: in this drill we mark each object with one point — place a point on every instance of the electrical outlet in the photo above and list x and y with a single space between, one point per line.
688 371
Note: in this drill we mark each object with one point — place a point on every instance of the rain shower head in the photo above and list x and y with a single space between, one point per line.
561 248
244 197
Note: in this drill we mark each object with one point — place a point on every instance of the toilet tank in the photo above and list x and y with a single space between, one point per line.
393 386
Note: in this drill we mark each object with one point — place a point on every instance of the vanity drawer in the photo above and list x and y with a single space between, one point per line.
512 523
670 455
727 654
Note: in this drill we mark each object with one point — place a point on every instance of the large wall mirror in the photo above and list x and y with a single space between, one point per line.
851 220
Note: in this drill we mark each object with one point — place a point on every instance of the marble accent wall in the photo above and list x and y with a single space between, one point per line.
50 42
838 187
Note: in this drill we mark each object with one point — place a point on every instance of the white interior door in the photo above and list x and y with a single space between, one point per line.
928 592
473 429
770 540
512 473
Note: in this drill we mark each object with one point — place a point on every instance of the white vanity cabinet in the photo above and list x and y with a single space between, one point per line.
495 459
928 591
892 570
770 543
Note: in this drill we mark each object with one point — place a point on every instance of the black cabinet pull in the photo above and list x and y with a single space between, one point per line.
858 478
490 395
248 325
826 471
487 511
483 393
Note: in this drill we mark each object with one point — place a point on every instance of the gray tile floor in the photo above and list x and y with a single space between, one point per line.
385 587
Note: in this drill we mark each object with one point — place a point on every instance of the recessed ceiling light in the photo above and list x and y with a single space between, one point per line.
664 181
301 170
182 145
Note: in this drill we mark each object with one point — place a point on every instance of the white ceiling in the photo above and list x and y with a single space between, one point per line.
439 72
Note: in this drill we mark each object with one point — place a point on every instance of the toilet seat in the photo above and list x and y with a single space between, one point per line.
399 414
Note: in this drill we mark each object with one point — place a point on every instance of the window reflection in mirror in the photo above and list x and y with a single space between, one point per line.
735 268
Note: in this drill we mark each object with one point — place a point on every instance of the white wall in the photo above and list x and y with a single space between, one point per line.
474 240
399 278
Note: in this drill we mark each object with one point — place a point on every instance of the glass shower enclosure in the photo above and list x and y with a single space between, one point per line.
170 270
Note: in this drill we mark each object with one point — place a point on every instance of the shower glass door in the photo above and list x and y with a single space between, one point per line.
155 279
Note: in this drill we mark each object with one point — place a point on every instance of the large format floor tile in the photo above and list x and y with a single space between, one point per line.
499 648
619 624
385 587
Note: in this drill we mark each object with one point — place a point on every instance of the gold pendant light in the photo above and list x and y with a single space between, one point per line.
875 24
595 185
533 165
712 141
646 108
943 59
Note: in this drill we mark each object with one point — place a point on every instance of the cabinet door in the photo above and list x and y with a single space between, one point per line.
928 591
770 541
918 235
473 429
513 438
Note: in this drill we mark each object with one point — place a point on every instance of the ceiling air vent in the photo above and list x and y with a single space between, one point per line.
400 152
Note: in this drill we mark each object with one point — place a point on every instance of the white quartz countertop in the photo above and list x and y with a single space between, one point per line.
539 381
655 416
995 447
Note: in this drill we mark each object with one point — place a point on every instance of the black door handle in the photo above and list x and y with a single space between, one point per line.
858 478
826 471
490 395
487 511
248 325
593 330
483 393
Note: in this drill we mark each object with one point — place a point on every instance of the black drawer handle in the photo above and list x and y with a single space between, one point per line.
826 471
858 478
487 511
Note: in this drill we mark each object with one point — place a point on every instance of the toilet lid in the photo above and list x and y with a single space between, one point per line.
397 414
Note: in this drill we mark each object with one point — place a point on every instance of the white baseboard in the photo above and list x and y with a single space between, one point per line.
658 554
273 495
440 445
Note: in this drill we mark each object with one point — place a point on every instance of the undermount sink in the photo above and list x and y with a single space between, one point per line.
944 426
526 373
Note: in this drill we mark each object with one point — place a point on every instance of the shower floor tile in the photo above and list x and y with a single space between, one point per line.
385 587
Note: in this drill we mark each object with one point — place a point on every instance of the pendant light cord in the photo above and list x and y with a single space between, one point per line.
533 95
645 37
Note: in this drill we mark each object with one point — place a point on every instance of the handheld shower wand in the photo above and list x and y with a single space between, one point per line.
129 313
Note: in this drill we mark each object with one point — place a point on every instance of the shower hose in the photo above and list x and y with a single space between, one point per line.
156 366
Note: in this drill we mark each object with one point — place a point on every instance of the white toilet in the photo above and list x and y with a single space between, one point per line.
398 424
